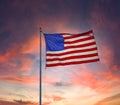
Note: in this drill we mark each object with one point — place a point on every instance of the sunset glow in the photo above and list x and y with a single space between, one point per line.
95 83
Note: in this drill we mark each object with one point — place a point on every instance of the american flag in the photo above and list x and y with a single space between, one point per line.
69 49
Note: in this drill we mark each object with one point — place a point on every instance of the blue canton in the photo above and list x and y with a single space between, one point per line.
54 42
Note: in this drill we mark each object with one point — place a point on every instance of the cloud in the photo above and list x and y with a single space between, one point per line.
20 79
104 20
20 57
101 80
32 45
17 102
106 55
57 98
19 61
46 103
115 67
19 70
49 80
9 54
20 27
110 76
112 100
53 99
26 64
59 84
87 77
80 79
20 102
7 103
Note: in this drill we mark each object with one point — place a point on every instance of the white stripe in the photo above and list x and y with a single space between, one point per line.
74 54
79 35
80 43
71 49
72 60
73 39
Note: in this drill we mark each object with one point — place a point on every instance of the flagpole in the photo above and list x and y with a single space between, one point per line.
40 66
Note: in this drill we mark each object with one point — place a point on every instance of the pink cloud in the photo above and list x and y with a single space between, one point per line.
102 81
49 80
110 76
115 67
100 19
106 55
60 26
86 77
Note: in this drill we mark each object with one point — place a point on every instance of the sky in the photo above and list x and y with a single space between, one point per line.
95 83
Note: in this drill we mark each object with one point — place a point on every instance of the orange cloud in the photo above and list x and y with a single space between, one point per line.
54 98
15 78
12 53
21 102
26 64
57 98
46 103
32 45
49 100
112 100
18 59
3 102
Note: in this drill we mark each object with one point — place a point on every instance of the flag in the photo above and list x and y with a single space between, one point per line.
69 49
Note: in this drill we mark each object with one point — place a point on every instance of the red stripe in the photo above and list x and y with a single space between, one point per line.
71 63
82 45
72 57
78 35
70 52
79 40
